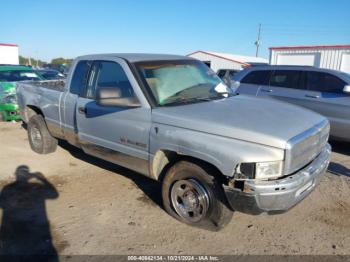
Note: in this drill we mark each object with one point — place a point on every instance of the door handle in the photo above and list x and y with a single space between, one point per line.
312 96
267 90
82 110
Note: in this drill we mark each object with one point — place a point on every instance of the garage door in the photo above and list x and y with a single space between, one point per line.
299 59
345 63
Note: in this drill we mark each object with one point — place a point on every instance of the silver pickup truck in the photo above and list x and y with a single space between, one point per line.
172 119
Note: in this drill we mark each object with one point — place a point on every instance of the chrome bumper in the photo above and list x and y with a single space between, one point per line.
279 195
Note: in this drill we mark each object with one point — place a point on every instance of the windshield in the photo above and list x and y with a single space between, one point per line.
18 75
181 81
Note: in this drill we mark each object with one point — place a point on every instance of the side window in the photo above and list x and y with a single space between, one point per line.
108 74
257 77
221 73
232 73
324 82
79 78
286 78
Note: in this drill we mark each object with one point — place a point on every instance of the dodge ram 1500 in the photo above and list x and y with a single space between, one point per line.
172 119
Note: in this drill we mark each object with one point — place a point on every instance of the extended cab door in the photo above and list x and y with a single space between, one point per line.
325 95
117 134
69 102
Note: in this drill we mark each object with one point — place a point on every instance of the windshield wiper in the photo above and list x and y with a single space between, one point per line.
182 100
188 89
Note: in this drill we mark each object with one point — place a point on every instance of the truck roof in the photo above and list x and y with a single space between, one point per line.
292 67
137 57
297 67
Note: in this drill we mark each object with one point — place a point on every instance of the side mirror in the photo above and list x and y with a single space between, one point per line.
235 84
346 89
112 96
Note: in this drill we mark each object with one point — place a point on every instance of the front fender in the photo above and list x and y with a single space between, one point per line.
222 152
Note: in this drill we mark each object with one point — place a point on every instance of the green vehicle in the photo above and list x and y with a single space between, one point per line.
9 75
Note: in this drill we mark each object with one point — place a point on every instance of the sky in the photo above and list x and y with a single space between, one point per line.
68 28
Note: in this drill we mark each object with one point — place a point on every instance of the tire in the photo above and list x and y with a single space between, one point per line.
192 195
39 137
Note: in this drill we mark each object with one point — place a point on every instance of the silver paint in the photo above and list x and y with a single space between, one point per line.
223 132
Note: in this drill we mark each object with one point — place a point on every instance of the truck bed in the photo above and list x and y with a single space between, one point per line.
44 95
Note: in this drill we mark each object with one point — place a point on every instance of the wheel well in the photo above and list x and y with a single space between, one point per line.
30 111
164 159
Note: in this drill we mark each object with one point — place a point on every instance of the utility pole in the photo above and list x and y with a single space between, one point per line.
257 43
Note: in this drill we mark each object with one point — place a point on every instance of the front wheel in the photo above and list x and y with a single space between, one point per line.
194 196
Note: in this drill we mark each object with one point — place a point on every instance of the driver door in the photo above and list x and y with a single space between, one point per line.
114 133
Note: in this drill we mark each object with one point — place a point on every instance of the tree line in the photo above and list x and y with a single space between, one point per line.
37 62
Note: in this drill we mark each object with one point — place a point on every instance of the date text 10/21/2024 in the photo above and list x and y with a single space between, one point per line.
173 258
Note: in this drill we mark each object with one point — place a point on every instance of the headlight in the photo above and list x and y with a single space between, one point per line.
266 170
10 99
262 170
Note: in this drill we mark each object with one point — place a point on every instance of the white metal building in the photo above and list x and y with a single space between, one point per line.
9 54
218 61
335 57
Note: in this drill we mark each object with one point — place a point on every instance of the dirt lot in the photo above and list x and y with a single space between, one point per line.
88 206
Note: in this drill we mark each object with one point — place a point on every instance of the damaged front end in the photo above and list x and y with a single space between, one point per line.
8 102
253 194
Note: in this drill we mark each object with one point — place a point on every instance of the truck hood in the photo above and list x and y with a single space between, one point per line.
258 120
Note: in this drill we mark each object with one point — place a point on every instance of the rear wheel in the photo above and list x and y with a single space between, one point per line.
39 137
194 196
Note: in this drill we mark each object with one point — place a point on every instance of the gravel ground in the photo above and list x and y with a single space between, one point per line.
84 205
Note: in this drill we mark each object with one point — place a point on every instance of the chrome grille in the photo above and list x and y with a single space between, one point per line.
305 147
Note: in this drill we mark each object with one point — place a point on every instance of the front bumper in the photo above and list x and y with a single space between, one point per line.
278 196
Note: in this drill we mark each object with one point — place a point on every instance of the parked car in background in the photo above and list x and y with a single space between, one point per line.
172 119
9 75
62 68
227 74
324 91
8 102
50 74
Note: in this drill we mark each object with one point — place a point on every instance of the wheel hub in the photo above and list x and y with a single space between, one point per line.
190 199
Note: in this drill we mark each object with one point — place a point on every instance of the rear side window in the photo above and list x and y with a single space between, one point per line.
257 77
324 82
286 78
79 78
